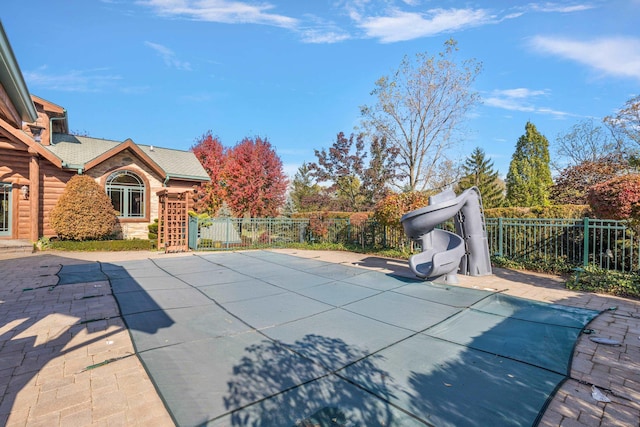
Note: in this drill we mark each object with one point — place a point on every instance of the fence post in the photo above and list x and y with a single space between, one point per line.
500 237
384 236
585 241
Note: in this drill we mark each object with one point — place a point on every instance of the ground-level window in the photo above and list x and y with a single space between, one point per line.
5 209
127 193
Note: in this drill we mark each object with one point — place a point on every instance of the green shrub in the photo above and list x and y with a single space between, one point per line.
328 214
84 211
102 245
153 230
596 279
551 265
553 211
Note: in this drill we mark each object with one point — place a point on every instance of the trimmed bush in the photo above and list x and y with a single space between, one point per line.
390 209
553 211
617 198
324 214
102 245
84 211
153 230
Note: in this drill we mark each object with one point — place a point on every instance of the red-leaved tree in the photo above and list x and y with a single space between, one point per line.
209 196
254 179
573 183
617 198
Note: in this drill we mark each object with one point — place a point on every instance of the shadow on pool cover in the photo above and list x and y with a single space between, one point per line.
223 351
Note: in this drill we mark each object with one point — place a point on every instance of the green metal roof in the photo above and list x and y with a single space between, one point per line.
75 151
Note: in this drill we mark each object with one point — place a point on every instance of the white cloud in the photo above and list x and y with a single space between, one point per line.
223 11
169 57
401 26
92 80
319 30
520 93
523 100
560 7
615 56
322 37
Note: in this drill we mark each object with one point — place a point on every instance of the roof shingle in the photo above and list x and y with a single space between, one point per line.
76 151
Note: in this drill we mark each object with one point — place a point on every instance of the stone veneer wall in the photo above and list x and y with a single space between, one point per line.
126 160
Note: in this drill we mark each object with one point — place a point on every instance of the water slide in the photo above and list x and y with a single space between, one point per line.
444 252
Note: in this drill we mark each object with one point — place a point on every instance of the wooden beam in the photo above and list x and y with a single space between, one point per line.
8 110
34 196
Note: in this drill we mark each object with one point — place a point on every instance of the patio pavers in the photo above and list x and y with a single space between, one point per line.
58 390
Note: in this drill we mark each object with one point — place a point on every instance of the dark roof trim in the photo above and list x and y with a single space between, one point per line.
188 177
13 82
128 144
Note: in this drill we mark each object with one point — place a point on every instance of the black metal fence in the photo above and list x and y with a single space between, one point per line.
607 243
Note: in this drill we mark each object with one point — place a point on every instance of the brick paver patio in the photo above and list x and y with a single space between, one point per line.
66 358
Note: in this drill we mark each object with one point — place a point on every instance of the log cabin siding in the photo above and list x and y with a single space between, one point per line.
52 184
15 170
14 167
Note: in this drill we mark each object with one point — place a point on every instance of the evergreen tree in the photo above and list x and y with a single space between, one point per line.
529 177
477 171
305 194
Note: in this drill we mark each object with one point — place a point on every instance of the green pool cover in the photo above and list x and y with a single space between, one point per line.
265 339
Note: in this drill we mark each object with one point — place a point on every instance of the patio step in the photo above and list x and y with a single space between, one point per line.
15 246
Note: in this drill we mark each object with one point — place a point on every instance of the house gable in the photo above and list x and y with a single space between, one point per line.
127 145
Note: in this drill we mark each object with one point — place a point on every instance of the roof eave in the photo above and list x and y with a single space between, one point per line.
13 80
188 177
127 144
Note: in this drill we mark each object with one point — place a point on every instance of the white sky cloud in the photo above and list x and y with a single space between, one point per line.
321 30
224 11
386 20
560 7
615 56
400 26
321 36
169 57
93 80
521 99
519 93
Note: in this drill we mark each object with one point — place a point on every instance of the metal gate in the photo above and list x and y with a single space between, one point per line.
173 221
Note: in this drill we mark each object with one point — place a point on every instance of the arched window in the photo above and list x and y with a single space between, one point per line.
127 193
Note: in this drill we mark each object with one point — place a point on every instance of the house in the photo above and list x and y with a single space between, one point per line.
38 156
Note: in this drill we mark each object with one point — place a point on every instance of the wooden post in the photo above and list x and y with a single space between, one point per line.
34 196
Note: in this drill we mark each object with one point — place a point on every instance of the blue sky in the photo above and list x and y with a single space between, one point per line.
163 72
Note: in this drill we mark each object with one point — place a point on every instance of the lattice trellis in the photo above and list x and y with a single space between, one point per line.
173 222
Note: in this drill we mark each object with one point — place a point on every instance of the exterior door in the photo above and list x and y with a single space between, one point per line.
5 209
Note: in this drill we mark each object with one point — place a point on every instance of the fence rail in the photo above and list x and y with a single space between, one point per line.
607 243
